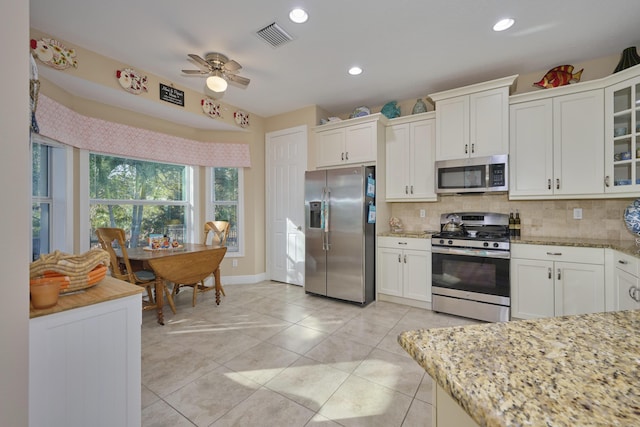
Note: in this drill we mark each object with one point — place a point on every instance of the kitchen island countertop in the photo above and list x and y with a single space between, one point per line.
579 370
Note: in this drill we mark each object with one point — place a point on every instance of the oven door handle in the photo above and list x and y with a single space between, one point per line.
486 253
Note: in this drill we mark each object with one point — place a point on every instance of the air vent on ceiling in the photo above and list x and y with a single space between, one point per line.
274 34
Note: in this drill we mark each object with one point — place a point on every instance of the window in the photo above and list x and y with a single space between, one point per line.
51 202
41 200
225 202
140 197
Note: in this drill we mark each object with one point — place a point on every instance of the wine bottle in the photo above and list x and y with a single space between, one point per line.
512 225
517 224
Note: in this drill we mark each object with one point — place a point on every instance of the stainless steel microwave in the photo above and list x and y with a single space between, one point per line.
473 175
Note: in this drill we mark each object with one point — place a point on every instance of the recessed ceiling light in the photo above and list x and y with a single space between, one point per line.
354 71
503 24
299 16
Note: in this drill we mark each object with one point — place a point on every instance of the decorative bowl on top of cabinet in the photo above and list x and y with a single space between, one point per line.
473 121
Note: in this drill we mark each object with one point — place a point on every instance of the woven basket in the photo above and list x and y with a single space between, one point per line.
75 272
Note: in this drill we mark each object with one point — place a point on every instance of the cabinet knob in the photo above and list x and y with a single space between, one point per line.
405 259
346 155
554 253
634 293
557 183
412 189
473 148
606 181
559 275
399 258
549 273
342 156
549 184
406 189
466 148
402 243
621 261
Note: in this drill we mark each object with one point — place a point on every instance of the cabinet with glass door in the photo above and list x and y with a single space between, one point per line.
622 137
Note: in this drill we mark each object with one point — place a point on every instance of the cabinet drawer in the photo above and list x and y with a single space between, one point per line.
558 253
627 263
404 243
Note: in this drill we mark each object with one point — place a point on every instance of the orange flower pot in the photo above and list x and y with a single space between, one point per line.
44 292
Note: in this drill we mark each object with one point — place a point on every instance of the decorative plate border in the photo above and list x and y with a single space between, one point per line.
210 108
131 81
241 118
53 53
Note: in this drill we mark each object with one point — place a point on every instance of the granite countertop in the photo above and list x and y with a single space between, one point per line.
579 370
425 234
105 290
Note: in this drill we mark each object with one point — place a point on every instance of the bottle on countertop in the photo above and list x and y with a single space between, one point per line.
517 225
512 225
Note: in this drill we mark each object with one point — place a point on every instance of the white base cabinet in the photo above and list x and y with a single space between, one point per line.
85 366
549 281
404 268
626 282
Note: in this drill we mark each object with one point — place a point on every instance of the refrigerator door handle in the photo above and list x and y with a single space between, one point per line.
327 216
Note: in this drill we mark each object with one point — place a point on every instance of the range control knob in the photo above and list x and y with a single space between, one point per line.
442 241
485 244
450 242
496 245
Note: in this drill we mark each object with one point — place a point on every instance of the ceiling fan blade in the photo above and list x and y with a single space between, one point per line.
232 66
238 79
201 72
200 61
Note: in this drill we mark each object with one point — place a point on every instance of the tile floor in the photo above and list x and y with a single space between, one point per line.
271 355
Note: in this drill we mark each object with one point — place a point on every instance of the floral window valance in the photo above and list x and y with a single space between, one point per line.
65 125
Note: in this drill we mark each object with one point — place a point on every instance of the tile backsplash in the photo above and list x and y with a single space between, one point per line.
601 218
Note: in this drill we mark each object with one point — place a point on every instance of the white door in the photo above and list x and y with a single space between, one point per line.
286 161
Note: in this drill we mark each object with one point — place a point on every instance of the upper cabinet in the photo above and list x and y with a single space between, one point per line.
622 137
354 141
473 121
410 151
556 146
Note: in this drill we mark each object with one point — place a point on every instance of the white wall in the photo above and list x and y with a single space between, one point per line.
15 213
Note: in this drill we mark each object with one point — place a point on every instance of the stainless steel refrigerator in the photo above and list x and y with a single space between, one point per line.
340 233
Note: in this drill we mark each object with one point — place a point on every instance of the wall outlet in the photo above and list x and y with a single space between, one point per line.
577 213
234 263
422 213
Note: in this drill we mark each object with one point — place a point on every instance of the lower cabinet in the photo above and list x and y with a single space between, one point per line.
85 366
404 270
551 281
626 282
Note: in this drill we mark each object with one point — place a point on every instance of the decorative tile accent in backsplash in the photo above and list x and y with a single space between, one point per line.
601 218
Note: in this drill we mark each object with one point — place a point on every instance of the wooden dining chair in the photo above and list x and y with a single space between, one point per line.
121 266
219 230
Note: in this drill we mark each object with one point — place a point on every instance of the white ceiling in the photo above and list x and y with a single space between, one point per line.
407 48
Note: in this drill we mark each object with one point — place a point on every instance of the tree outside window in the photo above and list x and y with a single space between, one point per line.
225 191
138 196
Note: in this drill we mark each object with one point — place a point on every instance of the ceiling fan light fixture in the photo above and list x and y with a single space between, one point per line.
216 83
298 15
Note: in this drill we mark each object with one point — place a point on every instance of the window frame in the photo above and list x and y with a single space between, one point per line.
209 211
60 193
190 202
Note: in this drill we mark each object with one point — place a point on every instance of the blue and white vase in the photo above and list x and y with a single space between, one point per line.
632 218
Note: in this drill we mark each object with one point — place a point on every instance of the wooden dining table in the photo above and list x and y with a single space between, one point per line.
188 264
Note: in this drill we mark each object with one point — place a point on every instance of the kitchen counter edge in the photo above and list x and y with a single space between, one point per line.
106 290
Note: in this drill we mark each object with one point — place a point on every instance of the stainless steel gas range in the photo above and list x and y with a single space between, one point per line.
470 266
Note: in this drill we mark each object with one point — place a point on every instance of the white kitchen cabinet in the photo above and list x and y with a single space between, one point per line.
622 137
626 282
551 281
556 146
473 121
84 366
409 153
404 270
347 142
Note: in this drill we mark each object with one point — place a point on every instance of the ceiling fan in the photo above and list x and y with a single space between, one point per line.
219 69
